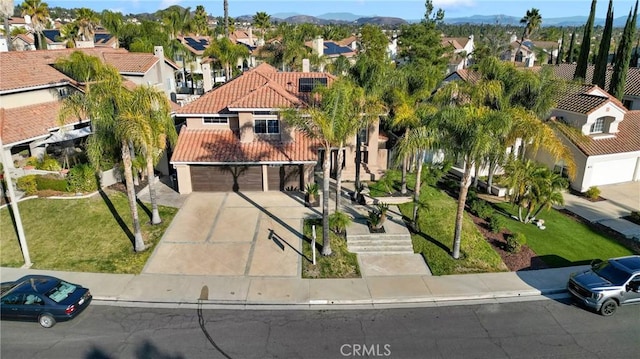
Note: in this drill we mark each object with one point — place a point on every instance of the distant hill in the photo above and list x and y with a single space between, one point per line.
342 16
381 20
515 21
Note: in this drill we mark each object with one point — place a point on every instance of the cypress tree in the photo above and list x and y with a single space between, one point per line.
585 47
623 57
600 72
570 54
560 51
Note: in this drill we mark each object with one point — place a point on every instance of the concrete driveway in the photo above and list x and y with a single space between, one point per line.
625 195
233 234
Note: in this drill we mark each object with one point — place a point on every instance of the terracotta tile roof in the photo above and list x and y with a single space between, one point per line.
24 69
27 122
585 99
626 140
260 87
458 43
347 41
465 75
632 88
223 146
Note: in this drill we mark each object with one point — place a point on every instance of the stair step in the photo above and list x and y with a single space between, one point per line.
384 249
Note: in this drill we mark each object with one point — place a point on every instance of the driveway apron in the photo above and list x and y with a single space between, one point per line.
233 234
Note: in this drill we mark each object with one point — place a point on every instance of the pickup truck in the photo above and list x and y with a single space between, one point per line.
608 284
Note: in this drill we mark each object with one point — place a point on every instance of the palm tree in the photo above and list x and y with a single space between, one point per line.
39 13
114 23
104 102
69 34
532 21
262 21
87 20
227 53
200 21
226 18
148 122
6 10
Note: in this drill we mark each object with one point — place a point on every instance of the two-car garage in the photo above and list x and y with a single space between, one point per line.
226 178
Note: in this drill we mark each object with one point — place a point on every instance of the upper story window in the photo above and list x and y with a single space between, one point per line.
63 92
598 126
267 126
215 120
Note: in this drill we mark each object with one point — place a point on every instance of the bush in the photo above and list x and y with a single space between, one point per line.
82 178
53 183
48 163
593 193
496 223
32 161
482 209
515 242
338 221
27 184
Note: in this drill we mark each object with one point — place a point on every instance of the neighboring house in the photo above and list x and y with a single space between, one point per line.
331 50
31 90
233 138
631 98
609 150
524 52
461 49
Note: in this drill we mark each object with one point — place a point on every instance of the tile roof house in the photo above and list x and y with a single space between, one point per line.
234 140
524 52
461 49
609 149
631 98
31 90
331 50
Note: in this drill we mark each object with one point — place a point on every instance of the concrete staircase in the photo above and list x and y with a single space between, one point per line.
395 240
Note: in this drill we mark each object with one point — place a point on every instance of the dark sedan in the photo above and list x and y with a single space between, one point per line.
43 298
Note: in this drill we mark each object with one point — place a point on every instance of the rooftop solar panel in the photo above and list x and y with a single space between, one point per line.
52 34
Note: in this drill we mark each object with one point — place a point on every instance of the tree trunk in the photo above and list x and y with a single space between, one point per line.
155 214
476 174
358 161
138 244
492 169
462 198
326 164
339 161
416 192
403 187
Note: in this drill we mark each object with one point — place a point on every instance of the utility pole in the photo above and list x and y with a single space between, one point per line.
14 209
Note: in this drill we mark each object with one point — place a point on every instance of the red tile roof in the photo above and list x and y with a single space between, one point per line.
632 87
261 87
585 99
626 140
28 122
223 146
24 69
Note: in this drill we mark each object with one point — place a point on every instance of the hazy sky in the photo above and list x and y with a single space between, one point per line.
407 9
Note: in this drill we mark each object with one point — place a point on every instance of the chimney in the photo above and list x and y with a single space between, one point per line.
158 51
318 46
251 43
306 65
207 82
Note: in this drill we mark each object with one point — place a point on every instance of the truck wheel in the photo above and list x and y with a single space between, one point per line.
47 321
609 307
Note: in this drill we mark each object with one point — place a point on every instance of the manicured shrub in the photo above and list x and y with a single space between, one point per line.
53 183
338 221
82 178
48 163
515 242
27 184
496 222
592 193
482 209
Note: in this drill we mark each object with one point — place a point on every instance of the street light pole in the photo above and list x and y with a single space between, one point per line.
14 209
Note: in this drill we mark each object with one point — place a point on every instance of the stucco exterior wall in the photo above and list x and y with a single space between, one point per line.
33 97
184 179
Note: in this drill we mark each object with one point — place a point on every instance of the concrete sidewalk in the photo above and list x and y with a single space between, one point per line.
158 290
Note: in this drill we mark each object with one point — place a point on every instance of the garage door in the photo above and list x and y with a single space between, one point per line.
226 178
613 171
285 178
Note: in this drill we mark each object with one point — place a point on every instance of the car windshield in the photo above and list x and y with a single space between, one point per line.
611 273
61 291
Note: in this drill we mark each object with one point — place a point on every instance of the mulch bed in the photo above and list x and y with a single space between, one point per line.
525 259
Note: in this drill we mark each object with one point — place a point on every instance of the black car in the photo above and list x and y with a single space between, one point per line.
43 298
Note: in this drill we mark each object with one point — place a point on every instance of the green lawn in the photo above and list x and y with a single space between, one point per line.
341 264
565 241
80 234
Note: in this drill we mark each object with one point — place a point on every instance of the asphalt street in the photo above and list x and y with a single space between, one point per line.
535 329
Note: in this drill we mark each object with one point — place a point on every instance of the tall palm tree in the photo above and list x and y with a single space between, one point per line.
262 21
227 53
148 122
114 23
104 102
6 10
531 21
38 11
225 6
87 20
